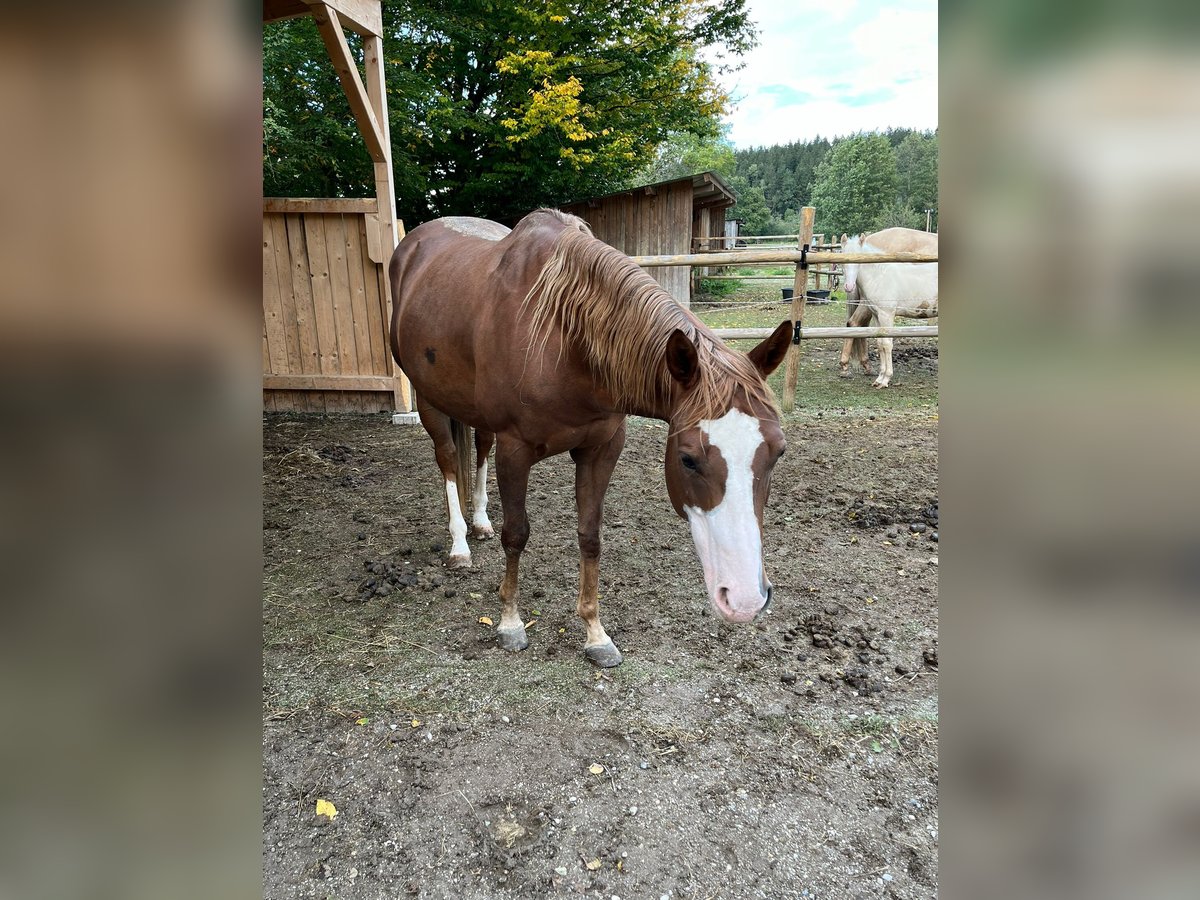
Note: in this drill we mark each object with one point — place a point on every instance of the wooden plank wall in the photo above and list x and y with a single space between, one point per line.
324 315
642 224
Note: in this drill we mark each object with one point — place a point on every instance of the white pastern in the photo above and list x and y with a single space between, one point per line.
458 525
727 537
479 519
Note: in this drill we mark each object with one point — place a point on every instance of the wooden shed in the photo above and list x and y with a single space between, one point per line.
326 297
661 220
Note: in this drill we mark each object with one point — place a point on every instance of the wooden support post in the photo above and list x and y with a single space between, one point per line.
799 295
389 230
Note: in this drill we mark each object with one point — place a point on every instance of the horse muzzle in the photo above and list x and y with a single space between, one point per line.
742 607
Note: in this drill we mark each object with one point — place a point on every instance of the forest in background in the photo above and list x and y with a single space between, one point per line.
858 183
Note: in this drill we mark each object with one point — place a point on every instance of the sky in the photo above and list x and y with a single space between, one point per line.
834 68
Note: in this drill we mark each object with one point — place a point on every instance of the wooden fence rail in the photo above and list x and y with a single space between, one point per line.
815 257
840 333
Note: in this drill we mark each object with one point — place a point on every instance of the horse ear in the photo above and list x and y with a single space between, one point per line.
770 353
683 362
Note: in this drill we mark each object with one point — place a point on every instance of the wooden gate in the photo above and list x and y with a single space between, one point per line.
325 309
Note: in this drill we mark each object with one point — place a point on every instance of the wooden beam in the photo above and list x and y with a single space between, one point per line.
274 10
320 205
739 257
327 383
330 26
838 332
362 16
791 373
390 230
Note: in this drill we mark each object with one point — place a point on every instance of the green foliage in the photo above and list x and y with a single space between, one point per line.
897 215
786 173
498 108
709 287
854 184
917 173
311 144
751 206
683 154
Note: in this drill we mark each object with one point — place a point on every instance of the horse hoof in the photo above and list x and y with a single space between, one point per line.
845 373
512 639
483 531
459 562
604 655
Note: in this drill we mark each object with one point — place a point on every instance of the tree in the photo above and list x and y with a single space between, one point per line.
751 206
784 171
496 108
898 215
854 183
684 154
311 144
917 173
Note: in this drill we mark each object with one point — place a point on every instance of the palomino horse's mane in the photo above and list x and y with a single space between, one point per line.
621 319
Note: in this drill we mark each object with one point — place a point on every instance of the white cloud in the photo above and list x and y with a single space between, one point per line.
860 65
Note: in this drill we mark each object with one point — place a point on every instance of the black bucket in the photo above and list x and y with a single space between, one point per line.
813 296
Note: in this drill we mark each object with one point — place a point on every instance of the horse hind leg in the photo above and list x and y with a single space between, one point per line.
441 429
886 320
513 461
481 525
593 471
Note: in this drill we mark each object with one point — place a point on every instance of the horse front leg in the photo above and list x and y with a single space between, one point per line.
593 471
513 461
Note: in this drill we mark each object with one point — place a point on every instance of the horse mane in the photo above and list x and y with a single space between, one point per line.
621 319
860 244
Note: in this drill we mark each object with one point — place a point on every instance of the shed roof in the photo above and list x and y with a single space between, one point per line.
708 189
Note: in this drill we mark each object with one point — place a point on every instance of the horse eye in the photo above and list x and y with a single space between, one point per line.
688 462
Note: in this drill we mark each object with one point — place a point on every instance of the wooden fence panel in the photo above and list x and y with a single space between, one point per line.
325 346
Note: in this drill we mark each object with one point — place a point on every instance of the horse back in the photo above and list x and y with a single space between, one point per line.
908 289
458 287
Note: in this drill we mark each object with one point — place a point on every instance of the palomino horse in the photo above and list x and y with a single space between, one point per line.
882 291
543 339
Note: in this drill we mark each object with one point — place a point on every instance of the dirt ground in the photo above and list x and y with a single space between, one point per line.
795 757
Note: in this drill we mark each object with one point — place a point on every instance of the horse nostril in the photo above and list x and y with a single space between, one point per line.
723 597
770 596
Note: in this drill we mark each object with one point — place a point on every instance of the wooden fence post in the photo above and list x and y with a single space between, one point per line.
799 295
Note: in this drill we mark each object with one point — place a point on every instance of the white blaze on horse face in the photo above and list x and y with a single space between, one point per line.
458 525
727 537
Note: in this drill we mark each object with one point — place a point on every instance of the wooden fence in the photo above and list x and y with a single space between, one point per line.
803 260
325 309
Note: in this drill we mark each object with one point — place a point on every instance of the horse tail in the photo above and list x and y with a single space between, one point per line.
461 433
858 349
858 346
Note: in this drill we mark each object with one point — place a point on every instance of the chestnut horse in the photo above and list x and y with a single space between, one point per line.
543 339
882 291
